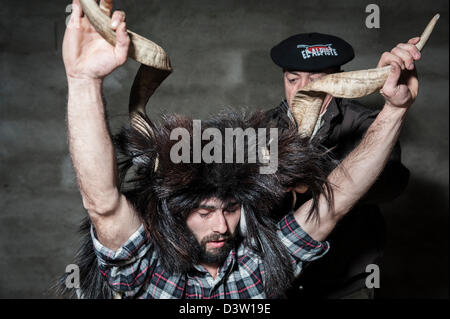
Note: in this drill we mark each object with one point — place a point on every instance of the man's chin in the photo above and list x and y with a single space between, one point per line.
215 255
216 252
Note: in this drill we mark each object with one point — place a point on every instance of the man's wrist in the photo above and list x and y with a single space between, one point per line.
83 80
86 86
394 112
85 89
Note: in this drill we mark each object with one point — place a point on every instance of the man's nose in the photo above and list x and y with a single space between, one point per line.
220 223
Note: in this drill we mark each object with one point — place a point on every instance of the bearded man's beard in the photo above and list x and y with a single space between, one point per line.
210 255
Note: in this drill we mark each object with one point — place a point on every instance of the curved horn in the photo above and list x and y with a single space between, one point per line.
141 49
307 102
155 63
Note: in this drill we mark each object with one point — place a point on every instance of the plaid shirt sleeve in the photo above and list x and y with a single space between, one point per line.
126 268
299 244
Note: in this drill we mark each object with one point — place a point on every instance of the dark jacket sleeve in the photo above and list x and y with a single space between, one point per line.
356 120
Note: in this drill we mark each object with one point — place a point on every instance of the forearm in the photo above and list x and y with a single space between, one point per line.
356 173
91 146
361 168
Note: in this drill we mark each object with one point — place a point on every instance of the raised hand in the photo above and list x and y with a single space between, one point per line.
86 54
401 87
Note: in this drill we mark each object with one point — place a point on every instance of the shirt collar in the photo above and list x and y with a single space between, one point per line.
332 110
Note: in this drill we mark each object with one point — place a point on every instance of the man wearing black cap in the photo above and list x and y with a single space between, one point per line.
358 239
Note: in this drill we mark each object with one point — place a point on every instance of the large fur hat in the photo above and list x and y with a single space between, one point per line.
164 192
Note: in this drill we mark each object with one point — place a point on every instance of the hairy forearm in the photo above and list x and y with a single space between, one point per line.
356 173
361 168
91 146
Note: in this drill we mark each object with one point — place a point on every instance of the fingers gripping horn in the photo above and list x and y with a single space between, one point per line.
155 65
141 49
307 102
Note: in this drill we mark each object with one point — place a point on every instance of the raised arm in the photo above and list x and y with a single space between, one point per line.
88 59
361 168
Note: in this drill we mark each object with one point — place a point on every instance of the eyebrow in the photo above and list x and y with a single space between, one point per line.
207 207
212 207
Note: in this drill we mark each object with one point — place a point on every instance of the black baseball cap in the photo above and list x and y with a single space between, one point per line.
311 52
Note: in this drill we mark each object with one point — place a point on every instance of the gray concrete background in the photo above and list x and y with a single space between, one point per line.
219 50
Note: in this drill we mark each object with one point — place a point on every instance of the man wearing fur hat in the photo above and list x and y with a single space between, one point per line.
201 230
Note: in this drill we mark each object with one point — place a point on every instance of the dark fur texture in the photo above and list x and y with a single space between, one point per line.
92 284
165 197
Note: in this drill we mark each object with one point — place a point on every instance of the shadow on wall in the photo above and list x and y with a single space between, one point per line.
416 256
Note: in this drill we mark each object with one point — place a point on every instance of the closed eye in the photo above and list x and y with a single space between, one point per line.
232 209
204 214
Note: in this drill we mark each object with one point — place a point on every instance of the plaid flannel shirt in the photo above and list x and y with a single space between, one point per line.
134 269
